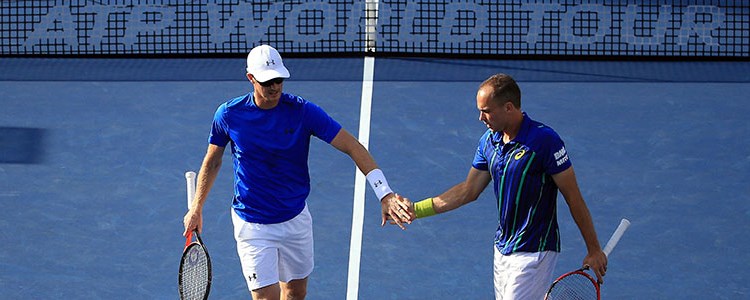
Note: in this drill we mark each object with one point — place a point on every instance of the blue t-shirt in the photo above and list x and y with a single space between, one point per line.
270 148
526 195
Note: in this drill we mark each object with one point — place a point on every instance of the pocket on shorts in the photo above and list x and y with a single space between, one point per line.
300 225
526 260
243 230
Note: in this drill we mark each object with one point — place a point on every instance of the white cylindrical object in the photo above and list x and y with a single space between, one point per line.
624 224
190 177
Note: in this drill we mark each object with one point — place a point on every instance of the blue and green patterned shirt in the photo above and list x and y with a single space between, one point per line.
526 195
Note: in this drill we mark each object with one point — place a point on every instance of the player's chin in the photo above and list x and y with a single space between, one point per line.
275 96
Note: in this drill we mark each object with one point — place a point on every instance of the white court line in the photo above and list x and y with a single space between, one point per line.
358 210
358 213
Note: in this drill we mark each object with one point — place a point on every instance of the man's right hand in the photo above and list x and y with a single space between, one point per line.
397 210
193 220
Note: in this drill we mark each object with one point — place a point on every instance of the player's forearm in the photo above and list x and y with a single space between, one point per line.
566 182
582 217
362 158
206 178
346 143
453 198
205 183
464 192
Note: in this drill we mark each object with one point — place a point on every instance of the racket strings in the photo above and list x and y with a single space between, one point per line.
574 286
194 276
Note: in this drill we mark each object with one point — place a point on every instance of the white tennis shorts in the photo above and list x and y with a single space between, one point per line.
270 253
523 275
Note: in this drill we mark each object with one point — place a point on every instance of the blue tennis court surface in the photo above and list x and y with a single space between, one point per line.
93 200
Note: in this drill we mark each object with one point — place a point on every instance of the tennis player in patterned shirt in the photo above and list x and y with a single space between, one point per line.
527 163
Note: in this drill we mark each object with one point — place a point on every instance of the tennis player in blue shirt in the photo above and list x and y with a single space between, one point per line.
269 134
527 163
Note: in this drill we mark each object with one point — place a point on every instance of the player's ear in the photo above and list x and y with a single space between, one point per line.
250 77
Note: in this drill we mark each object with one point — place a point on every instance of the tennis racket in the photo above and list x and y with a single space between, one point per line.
579 284
195 264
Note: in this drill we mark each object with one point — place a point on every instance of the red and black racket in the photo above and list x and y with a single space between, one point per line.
195 265
195 271
579 284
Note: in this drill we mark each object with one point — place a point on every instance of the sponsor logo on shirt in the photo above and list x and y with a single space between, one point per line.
561 156
519 154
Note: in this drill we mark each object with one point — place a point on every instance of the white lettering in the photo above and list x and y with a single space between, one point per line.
584 24
406 26
701 20
640 27
310 22
537 13
560 153
463 22
54 29
147 23
237 28
99 28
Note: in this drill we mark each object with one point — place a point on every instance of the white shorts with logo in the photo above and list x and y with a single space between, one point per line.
523 275
270 253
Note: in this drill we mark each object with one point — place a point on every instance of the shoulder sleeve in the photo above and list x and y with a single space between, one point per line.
319 123
480 159
554 153
219 134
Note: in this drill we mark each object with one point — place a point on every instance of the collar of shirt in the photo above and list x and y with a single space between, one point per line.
497 137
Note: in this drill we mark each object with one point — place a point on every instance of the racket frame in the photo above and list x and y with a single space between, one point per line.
190 179
613 240
579 272
197 243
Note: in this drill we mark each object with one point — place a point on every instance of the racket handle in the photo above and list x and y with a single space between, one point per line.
190 180
190 238
624 224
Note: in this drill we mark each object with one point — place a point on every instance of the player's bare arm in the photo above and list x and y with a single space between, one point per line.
391 206
455 197
595 259
193 220
462 193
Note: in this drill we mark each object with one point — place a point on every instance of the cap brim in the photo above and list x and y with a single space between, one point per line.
267 75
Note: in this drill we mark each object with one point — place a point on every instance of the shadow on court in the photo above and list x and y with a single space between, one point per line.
96 212
21 145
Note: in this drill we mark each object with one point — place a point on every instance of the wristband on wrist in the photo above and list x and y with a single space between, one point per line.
378 183
424 208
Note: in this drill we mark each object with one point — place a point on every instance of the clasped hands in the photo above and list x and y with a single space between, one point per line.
397 210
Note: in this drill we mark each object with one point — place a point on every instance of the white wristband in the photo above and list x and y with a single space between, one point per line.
378 183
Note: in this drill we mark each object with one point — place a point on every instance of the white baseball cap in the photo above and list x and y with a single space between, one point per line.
265 63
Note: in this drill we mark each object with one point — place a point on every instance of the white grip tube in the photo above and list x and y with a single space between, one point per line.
624 224
190 178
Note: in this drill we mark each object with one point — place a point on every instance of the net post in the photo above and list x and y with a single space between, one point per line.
371 23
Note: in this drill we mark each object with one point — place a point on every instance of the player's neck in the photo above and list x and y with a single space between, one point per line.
509 135
511 131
